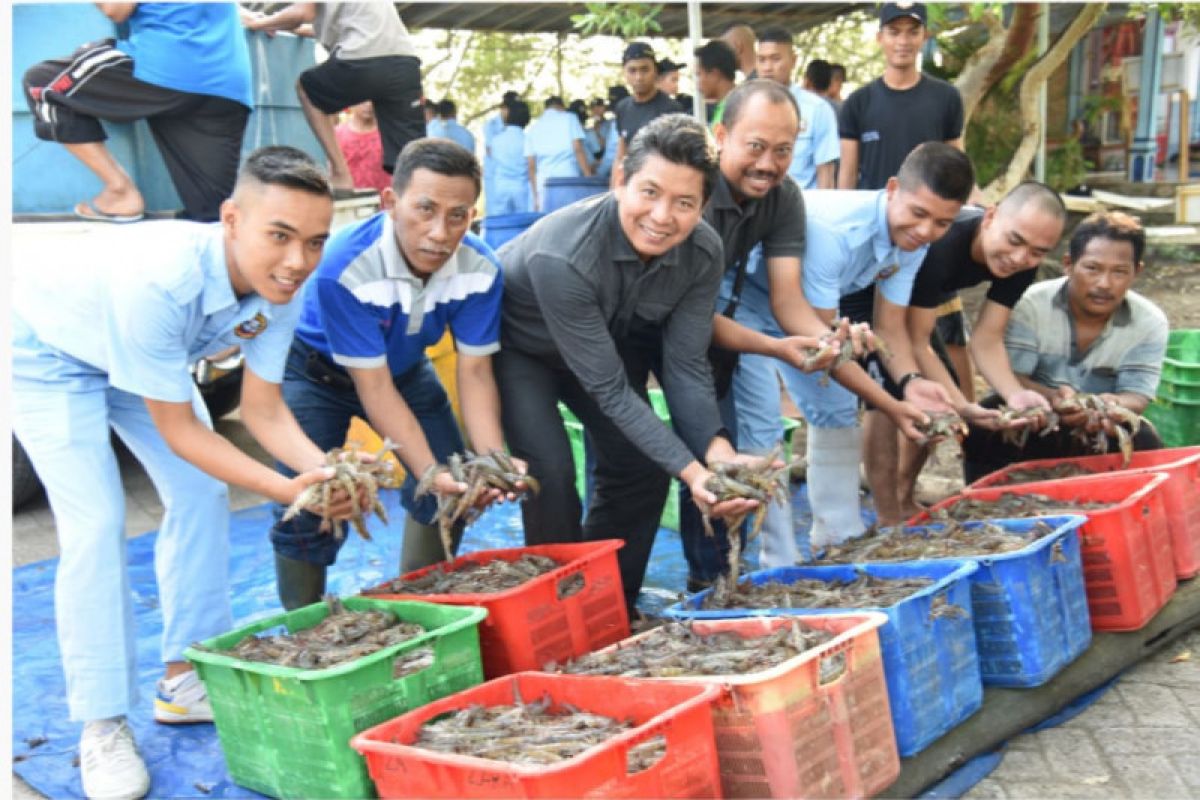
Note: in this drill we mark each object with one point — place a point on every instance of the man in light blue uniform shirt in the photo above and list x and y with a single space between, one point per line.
854 240
387 288
493 126
446 126
554 149
817 144
510 192
103 339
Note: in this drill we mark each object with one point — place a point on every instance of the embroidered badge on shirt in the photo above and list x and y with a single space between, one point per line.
252 327
887 272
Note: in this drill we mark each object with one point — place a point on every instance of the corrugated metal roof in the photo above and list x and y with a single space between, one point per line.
520 17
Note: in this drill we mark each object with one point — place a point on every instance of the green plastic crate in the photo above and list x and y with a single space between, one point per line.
286 732
1178 422
1182 363
1172 390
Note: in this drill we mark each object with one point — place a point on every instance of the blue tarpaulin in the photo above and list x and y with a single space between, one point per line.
186 760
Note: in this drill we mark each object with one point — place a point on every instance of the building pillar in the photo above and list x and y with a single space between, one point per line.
1145 147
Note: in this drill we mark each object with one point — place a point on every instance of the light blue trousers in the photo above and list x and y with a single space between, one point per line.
62 412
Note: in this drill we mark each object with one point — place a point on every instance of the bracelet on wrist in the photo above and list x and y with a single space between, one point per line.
906 379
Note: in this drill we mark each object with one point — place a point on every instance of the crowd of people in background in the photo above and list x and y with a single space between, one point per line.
716 256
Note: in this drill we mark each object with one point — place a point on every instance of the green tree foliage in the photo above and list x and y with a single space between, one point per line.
627 20
848 40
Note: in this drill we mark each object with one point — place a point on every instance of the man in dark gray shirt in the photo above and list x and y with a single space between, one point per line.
596 295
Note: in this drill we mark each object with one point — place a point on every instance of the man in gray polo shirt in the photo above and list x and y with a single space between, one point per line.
1085 332
595 295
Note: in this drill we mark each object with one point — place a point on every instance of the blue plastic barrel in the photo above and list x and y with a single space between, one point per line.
564 191
500 228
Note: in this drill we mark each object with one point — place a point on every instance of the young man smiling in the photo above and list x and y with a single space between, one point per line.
597 296
1087 331
103 340
1003 247
389 287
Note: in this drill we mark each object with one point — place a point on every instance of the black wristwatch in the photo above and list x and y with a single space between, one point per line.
907 379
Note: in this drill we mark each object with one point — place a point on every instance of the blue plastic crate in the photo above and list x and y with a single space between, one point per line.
930 660
1030 606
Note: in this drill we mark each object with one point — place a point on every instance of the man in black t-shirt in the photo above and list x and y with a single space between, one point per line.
645 101
1003 245
882 122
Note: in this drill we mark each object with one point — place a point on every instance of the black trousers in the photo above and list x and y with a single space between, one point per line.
198 135
629 490
985 451
391 83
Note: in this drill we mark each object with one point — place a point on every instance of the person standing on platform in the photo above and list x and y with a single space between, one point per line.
185 69
371 57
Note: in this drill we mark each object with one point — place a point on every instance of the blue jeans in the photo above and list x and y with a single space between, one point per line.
324 411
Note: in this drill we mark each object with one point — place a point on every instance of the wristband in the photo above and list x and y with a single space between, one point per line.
907 379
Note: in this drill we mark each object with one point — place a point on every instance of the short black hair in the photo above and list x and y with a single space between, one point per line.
944 170
446 108
678 138
1039 194
1116 226
518 113
819 73
281 165
718 55
579 108
776 34
436 155
509 96
776 93
554 101
837 71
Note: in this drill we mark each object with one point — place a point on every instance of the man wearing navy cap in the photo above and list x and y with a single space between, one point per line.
646 101
668 77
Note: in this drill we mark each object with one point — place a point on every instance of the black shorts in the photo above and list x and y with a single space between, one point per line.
391 83
952 324
860 307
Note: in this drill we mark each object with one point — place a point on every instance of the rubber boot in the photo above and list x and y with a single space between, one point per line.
777 539
422 545
299 583
833 458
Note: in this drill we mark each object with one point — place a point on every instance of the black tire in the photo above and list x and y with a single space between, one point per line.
25 483
224 394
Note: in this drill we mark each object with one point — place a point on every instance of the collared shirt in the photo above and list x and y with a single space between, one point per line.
364 308
850 247
352 31
1126 357
776 222
632 116
576 291
550 140
508 155
145 302
452 130
817 141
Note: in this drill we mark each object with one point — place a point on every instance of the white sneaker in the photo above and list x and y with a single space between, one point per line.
110 766
181 700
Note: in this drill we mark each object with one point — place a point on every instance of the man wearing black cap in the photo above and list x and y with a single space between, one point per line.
645 101
883 121
668 77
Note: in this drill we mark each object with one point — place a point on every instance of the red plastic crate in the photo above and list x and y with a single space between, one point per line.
1128 567
785 732
529 626
681 713
1181 494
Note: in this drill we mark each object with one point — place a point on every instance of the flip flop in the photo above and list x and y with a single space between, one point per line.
85 210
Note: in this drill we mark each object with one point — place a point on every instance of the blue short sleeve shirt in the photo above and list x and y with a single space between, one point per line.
149 301
849 247
817 142
364 308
